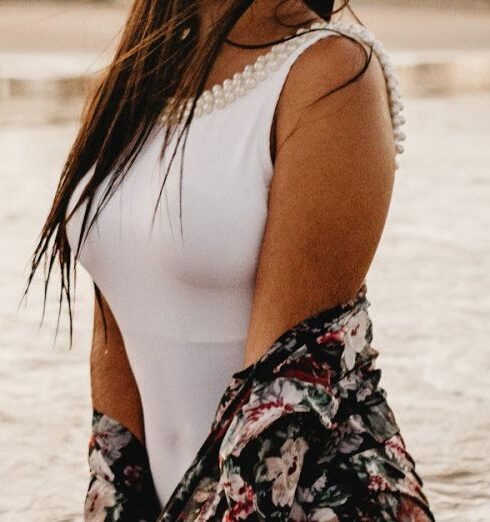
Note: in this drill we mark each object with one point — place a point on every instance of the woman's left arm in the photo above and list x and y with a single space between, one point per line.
330 192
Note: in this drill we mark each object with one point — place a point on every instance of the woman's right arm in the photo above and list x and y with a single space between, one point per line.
114 389
121 485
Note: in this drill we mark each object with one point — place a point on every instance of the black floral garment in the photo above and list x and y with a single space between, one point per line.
121 486
305 435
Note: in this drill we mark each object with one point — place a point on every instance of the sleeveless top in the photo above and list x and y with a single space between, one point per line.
183 304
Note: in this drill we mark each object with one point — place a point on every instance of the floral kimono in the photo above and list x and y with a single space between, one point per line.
304 434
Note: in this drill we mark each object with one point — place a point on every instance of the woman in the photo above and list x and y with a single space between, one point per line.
271 133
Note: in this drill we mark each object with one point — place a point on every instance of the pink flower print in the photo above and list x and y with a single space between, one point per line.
377 482
266 405
396 449
333 336
308 370
242 496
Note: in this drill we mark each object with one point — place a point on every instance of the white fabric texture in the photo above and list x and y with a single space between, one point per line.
183 306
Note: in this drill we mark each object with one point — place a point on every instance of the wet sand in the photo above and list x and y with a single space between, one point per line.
429 303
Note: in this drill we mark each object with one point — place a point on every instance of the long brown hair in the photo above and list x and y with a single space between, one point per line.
155 62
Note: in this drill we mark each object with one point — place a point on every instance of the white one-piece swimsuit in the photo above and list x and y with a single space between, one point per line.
183 305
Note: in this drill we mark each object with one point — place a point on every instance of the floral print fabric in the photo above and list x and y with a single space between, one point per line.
121 487
305 435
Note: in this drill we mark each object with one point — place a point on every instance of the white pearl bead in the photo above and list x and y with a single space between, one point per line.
302 39
281 49
229 97
251 82
221 95
228 85
260 75
396 108
217 90
272 66
384 60
391 79
240 91
389 70
280 57
248 71
219 103
399 120
269 57
392 82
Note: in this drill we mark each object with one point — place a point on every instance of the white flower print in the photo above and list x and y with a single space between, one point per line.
350 434
99 467
111 438
284 471
323 515
355 338
287 390
101 495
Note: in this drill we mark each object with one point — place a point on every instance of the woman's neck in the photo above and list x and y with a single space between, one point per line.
263 20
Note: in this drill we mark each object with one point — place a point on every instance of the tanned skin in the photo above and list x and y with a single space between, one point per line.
330 193
114 390
328 203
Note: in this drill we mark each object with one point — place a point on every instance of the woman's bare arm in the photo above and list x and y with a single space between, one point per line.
114 390
330 193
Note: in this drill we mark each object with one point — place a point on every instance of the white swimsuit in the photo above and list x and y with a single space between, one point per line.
183 306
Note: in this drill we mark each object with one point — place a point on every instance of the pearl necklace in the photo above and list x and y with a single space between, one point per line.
225 93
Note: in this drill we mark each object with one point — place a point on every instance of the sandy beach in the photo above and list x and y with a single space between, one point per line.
430 307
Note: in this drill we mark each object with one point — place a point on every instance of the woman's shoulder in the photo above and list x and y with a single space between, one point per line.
339 65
